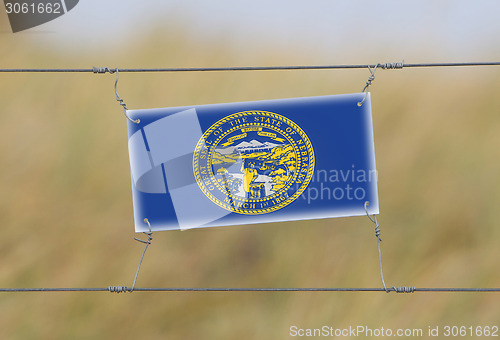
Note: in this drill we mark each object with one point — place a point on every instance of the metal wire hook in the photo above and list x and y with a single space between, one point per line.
368 83
377 234
118 99
103 70
147 242
122 289
374 220
148 233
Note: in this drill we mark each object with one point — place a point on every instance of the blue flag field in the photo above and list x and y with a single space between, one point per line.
252 162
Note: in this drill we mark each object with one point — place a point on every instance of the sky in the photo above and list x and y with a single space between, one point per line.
452 30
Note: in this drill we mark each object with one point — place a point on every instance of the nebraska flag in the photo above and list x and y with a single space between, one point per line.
252 162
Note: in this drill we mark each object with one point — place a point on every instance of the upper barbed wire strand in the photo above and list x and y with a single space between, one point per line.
251 68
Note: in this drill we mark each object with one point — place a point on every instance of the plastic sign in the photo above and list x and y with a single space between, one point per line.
252 162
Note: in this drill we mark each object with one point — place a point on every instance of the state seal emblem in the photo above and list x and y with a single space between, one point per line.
253 162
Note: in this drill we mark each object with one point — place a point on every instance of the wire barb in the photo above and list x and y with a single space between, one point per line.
117 289
404 289
102 70
392 66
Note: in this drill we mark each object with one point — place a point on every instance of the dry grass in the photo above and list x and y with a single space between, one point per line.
66 210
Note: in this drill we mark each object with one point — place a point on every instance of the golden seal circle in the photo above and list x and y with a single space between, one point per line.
253 162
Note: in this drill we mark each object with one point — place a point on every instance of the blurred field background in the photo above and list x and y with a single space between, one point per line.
66 207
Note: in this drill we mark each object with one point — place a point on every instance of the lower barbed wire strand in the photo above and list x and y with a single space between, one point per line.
119 289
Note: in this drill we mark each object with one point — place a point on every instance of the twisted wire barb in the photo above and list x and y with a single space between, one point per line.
392 66
103 70
117 289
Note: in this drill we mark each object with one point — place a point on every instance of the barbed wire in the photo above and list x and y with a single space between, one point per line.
121 289
398 65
